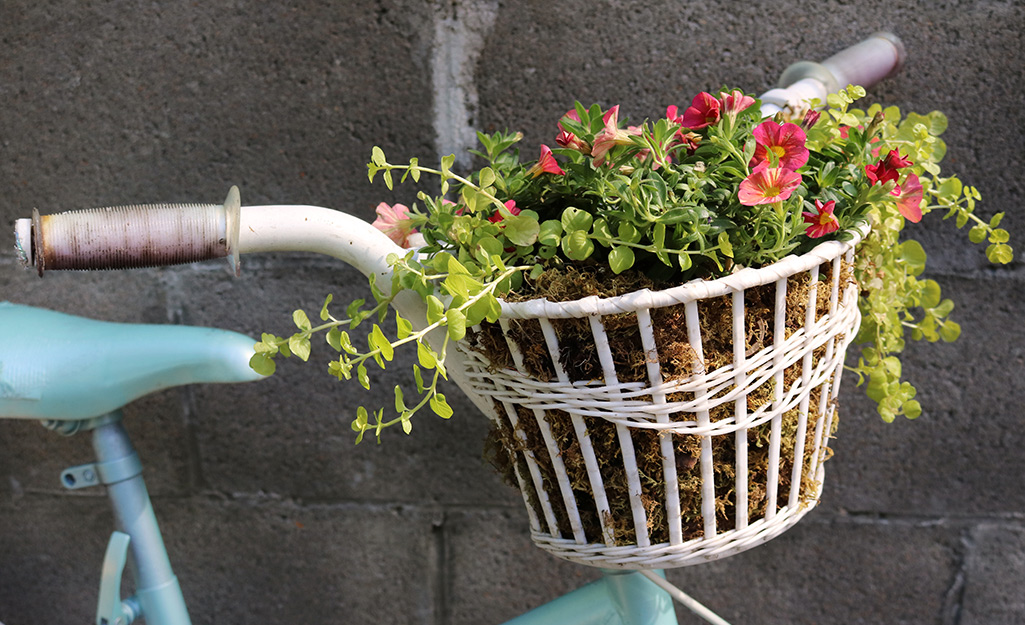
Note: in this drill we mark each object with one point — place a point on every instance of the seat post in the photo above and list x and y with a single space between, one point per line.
118 467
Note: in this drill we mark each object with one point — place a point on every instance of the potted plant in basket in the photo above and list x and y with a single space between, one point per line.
655 316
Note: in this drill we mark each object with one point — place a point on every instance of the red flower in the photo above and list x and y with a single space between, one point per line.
822 221
546 164
703 111
811 117
909 203
611 136
768 185
734 102
785 141
567 139
886 170
510 205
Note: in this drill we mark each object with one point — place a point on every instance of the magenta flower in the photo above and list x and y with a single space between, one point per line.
767 185
734 102
785 141
703 111
510 205
394 221
887 169
611 136
546 164
909 203
822 221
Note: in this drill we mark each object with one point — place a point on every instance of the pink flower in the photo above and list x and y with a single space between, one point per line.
734 102
886 170
822 221
767 185
703 111
909 203
785 141
611 136
567 139
546 164
394 221
510 205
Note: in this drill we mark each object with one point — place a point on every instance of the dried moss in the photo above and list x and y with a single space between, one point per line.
678 360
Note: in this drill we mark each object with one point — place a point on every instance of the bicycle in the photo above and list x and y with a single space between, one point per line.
87 370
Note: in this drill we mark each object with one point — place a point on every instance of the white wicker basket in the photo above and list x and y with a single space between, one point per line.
682 410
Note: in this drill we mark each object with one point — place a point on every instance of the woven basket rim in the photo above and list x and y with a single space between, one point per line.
693 290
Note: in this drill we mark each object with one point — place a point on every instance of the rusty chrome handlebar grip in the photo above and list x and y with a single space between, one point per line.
123 237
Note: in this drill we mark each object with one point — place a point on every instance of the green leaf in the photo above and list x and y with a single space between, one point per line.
628 233
456 324
299 344
377 156
995 220
912 409
913 254
262 364
407 425
324 314
520 230
621 258
602 233
950 331
426 356
440 406
380 342
549 232
577 246
724 245
536 271
574 219
486 177
403 327
301 321
400 405
419 379
361 375
435 309
1000 253
977 234
343 340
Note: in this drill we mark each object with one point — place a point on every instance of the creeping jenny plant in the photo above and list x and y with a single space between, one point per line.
697 193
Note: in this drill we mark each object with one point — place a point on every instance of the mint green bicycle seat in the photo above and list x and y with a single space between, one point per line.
55 366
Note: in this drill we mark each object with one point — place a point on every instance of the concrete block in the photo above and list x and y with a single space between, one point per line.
495 572
959 458
994 568
830 570
238 561
51 553
271 560
291 434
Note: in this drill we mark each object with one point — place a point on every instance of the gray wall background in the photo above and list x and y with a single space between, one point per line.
270 513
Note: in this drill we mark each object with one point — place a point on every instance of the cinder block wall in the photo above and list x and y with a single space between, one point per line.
270 514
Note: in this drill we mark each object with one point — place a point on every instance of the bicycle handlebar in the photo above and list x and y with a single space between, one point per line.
128 237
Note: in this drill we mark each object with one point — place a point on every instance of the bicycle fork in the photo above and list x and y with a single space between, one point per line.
158 596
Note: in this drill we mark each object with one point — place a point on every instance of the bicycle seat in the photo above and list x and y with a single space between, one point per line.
62 367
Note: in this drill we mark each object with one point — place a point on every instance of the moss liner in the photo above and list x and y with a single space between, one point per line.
677 360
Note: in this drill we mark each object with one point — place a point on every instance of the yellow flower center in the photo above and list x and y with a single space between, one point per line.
778 151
